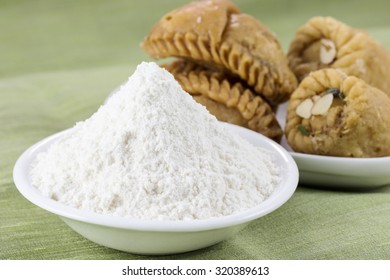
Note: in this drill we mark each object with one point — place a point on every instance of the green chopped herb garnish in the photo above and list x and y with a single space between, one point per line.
341 95
336 92
303 130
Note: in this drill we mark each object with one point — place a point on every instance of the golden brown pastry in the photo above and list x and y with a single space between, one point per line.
215 33
333 114
324 42
226 98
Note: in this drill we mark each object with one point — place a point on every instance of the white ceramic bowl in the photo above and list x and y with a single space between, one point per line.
158 237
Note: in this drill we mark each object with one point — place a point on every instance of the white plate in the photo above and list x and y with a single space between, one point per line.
338 172
158 237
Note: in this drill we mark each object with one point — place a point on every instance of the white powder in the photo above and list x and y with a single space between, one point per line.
153 153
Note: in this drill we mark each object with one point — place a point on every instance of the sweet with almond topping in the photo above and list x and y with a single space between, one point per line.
349 118
324 42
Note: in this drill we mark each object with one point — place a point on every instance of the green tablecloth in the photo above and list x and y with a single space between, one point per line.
58 62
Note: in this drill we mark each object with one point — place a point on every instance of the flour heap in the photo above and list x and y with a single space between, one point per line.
153 153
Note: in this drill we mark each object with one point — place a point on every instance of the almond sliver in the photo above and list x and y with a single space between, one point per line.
304 109
322 105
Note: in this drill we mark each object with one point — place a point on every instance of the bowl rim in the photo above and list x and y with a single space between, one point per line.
280 195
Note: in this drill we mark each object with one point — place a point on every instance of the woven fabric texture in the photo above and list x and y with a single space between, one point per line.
59 60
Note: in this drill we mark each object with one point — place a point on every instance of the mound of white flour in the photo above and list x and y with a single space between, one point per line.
153 153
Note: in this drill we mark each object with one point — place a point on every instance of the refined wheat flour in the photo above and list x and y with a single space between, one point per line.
153 153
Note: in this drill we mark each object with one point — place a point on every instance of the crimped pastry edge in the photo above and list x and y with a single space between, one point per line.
217 87
264 78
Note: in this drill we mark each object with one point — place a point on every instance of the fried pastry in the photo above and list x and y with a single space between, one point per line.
226 98
333 114
216 34
324 42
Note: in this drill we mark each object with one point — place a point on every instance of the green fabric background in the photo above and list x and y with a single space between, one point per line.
58 62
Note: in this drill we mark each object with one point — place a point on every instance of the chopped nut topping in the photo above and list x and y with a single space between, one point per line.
323 104
327 51
304 109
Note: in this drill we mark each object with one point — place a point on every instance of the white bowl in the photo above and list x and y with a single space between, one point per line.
158 237
342 173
